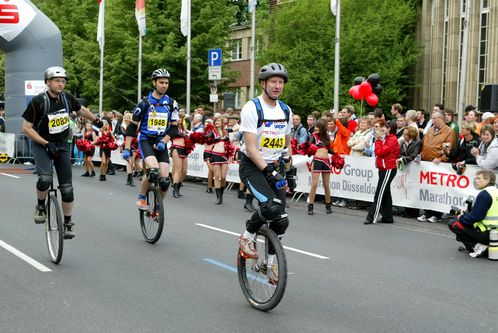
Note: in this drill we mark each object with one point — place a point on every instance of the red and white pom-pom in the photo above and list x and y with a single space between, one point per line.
307 149
197 137
189 145
83 145
112 146
229 149
337 161
294 149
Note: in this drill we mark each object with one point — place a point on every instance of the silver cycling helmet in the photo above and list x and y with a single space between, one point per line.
160 73
273 69
55 71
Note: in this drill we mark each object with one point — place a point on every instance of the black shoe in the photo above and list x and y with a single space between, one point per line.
102 178
92 174
68 230
249 207
219 196
328 208
40 214
176 190
310 209
209 190
86 174
129 181
386 221
367 222
241 194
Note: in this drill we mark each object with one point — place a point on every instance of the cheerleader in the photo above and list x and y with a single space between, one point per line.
208 147
130 164
180 162
91 137
107 138
219 159
320 165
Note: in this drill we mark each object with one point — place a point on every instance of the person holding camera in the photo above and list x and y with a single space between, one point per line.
472 228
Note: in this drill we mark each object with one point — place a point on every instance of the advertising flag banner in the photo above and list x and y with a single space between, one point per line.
140 16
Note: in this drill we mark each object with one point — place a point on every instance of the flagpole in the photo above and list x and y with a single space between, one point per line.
188 55
101 88
139 83
253 43
337 56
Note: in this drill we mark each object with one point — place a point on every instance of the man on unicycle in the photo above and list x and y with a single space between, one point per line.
156 118
46 122
266 124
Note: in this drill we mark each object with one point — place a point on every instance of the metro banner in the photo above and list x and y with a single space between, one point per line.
15 16
421 185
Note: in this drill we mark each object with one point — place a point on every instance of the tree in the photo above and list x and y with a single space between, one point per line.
377 36
163 46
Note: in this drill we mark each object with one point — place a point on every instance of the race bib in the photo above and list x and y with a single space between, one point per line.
157 122
272 142
58 122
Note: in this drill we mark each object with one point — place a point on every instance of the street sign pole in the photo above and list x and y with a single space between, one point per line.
214 74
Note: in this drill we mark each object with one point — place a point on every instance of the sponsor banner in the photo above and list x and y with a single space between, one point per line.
34 87
15 16
423 185
7 142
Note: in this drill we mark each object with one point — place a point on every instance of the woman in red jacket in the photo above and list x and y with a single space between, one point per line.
386 153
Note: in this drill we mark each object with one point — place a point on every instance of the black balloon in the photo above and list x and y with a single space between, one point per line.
358 80
377 90
373 79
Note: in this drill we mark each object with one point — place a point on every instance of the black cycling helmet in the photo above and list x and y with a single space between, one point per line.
54 71
160 73
273 69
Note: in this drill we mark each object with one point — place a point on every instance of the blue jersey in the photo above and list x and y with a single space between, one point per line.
155 116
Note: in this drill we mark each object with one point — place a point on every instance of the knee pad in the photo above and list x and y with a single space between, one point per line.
67 194
44 182
164 183
272 210
153 174
280 225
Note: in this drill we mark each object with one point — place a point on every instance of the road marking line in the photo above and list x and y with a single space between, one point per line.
6 174
234 270
311 254
24 257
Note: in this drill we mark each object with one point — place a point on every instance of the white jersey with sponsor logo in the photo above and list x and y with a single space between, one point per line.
271 135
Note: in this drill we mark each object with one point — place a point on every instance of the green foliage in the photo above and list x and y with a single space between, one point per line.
377 36
163 46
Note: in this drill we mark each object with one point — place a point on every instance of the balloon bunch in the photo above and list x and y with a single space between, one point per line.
368 89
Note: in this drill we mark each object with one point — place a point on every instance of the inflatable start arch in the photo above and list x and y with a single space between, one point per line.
31 43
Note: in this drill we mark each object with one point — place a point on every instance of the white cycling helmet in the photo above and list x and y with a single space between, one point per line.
55 71
160 73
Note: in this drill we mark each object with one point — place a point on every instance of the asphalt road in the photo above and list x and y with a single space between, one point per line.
405 277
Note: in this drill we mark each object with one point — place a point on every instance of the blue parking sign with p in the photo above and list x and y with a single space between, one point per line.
214 57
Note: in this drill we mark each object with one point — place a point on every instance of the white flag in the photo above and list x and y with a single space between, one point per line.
140 16
184 18
100 26
333 6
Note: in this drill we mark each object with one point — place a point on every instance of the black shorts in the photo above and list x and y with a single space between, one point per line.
62 162
320 165
90 153
180 150
146 147
207 156
219 159
106 152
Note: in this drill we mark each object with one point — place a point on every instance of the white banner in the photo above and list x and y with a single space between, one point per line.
15 16
421 185
7 141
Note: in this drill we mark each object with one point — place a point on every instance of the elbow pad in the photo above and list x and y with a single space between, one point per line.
131 129
173 131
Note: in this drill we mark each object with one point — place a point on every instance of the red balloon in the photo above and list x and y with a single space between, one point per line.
354 91
372 99
365 89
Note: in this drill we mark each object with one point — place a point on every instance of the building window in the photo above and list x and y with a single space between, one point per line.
483 44
237 98
444 61
236 49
